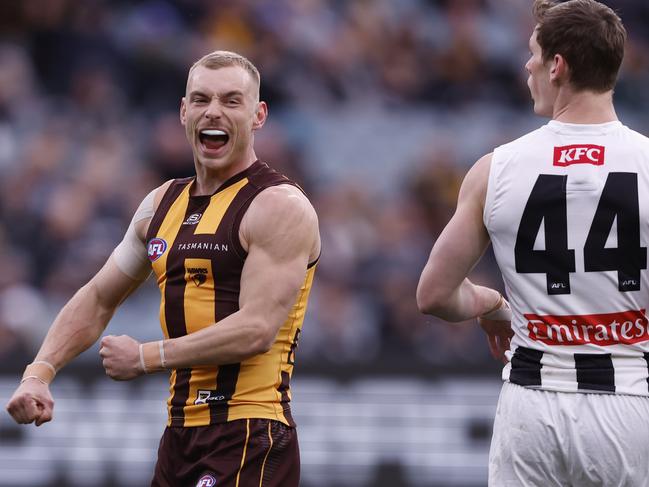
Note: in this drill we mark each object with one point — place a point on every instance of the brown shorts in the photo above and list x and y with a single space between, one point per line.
241 453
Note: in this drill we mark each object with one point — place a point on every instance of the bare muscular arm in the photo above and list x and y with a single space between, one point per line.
77 326
444 289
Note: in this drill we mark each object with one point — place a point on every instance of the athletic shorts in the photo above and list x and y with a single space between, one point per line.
569 439
241 453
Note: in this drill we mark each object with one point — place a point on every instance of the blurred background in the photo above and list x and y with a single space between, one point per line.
377 108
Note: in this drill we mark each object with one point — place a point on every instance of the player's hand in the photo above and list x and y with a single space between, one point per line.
121 356
31 403
499 334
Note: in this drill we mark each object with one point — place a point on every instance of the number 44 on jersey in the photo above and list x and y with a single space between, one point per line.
547 202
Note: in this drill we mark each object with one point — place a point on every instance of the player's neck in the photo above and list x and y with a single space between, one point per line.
584 107
209 179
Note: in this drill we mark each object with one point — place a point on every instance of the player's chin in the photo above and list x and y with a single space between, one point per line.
213 163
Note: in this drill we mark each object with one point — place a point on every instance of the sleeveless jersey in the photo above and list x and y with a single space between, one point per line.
567 210
193 243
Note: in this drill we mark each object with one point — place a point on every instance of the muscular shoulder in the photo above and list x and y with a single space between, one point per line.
147 208
280 213
159 192
474 186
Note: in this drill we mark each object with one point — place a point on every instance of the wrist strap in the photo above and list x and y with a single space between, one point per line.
500 312
142 364
152 357
41 370
33 377
163 360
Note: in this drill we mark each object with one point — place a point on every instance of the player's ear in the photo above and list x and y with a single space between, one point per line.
261 114
183 111
559 68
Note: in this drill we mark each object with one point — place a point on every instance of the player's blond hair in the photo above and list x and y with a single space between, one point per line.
222 59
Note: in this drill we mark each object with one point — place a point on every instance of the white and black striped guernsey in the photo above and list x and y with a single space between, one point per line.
567 210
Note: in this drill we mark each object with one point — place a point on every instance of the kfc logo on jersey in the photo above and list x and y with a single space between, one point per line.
156 247
626 327
206 481
579 154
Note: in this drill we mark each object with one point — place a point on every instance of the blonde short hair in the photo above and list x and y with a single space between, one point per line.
222 59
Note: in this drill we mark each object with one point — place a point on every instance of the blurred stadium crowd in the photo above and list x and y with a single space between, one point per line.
378 108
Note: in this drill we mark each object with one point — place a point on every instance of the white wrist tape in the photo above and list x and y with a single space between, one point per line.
502 312
152 357
41 370
163 360
142 364
46 364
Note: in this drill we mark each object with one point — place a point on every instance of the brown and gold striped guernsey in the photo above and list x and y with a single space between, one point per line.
193 243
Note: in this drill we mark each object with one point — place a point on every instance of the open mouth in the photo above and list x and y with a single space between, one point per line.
213 139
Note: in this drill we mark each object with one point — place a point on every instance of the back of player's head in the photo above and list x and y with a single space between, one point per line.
223 59
590 37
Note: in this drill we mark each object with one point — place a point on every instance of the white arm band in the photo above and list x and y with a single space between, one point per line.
131 254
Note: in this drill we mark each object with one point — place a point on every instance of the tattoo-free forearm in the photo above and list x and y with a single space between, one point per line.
467 301
77 326
231 340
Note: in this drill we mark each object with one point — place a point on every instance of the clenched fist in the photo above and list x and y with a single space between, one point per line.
31 403
121 356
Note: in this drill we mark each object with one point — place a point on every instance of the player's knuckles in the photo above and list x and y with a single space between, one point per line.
13 410
21 401
23 415
108 367
16 404
44 417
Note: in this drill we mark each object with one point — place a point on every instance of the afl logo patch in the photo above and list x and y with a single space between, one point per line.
206 481
157 247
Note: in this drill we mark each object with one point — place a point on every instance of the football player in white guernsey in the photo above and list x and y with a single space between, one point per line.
566 208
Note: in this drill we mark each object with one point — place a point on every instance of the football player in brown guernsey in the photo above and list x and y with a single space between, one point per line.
234 251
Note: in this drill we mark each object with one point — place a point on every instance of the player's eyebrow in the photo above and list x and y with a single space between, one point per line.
231 94
197 93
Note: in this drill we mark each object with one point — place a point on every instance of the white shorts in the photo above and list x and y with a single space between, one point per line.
565 439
